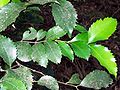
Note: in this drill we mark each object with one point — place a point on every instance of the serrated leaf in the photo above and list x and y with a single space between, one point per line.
24 51
66 50
105 57
81 49
102 29
65 16
97 80
80 37
49 82
39 54
55 33
41 34
41 1
29 35
3 2
9 13
53 52
7 50
80 28
74 79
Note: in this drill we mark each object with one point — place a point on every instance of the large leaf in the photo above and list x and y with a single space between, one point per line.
7 50
102 29
41 34
66 50
105 57
9 13
39 54
55 33
65 16
53 52
81 49
24 51
13 84
49 82
97 80
3 2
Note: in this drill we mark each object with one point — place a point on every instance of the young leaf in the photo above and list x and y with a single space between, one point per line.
49 82
102 29
39 54
81 49
74 79
24 51
7 50
55 33
66 50
65 16
105 57
97 80
80 28
9 13
3 2
53 52
13 84
29 35
41 34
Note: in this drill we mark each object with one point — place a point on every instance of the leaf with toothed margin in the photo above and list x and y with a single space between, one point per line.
9 13
65 16
53 51
7 50
105 57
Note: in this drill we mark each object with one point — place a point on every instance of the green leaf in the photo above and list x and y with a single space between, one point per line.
39 54
53 52
29 35
102 29
3 2
7 50
13 84
65 16
16 1
80 28
49 82
24 51
81 49
97 80
55 33
80 37
9 13
66 50
105 57
41 1
41 34
74 79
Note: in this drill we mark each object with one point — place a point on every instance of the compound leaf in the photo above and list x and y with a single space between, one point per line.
41 34
53 52
105 57
7 50
3 2
102 29
49 82
97 80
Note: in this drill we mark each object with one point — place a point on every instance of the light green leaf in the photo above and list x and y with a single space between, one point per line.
13 84
53 52
66 50
29 35
24 51
97 80
7 50
39 54
81 49
49 82
9 13
65 16
41 1
105 57
55 33
3 2
41 34
80 28
102 29
74 79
